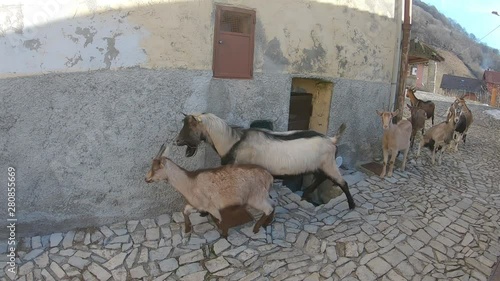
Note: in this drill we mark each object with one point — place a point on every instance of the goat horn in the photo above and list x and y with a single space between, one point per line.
184 114
162 149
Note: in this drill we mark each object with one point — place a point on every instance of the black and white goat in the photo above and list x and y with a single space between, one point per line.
460 125
281 153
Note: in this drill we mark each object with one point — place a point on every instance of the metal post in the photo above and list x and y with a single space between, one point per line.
403 69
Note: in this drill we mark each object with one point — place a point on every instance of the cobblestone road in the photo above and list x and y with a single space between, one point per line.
429 223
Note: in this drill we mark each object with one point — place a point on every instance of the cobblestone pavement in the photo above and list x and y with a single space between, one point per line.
428 223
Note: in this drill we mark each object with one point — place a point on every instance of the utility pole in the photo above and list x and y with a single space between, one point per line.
403 68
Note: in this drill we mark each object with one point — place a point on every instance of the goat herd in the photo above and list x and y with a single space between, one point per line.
401 136
252 158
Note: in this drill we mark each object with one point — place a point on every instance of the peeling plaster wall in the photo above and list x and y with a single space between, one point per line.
100 41
350 39
327 38
89 89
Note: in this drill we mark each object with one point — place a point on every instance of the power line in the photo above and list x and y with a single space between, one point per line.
490 32
479 39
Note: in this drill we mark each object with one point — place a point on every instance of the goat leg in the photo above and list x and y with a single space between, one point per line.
403 166
386 156
187 224
188 209
345 189
336 178
269 220
224 228
319 178
420 147
457 141
262 221
391 163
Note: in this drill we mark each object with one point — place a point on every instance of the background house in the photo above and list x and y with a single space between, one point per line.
423 61
492 80
470 88
91 89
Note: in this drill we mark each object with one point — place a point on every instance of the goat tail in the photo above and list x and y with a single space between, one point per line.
335 139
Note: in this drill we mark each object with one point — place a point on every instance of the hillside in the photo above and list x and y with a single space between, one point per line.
464 55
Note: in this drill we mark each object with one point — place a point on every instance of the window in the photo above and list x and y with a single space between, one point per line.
233 43
414 70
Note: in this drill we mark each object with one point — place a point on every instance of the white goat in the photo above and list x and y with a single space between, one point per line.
281 153
216 189
395 138
438 136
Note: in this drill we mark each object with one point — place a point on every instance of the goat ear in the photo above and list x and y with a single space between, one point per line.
395 112
198 118
409 106
379 113
163 160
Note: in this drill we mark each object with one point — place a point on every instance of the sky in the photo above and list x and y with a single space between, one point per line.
474 16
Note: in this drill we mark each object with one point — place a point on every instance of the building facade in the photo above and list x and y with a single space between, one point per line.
492 80
90 90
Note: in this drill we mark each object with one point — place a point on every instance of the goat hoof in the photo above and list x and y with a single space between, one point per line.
305 197
255 231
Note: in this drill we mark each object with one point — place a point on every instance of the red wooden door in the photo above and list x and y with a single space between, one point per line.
233 43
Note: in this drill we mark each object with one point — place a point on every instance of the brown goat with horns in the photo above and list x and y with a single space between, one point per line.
216 189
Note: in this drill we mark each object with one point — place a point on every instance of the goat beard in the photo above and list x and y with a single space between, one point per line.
191 150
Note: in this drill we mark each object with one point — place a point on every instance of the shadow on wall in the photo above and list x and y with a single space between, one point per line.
82 135
339 42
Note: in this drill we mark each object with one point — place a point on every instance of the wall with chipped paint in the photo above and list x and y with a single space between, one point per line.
90 89
350 39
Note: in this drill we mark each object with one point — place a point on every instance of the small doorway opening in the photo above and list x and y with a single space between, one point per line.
300 111
310 103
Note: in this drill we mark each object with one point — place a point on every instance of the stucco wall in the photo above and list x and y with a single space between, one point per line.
350 39
88 98
83 144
